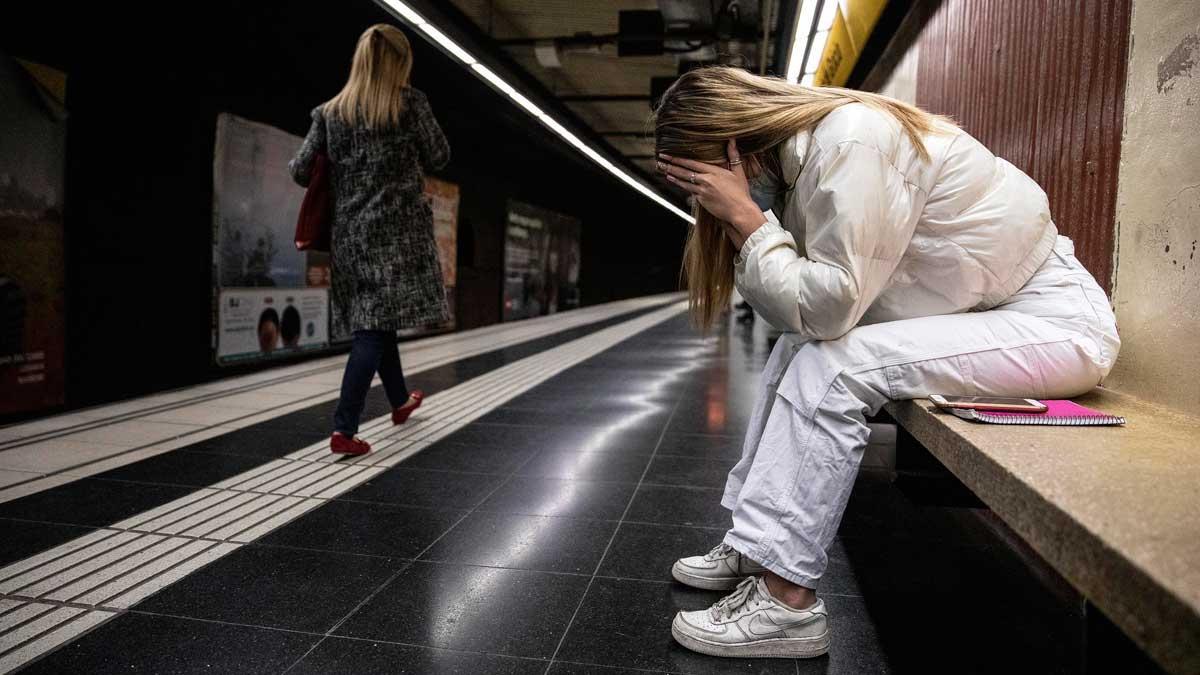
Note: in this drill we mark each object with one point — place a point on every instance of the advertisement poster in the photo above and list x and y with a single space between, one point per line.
541 262
32 281
262 323
254 220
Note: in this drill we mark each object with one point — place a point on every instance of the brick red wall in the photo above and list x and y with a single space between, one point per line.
1041 84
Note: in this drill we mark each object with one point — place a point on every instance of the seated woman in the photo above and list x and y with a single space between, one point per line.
911 261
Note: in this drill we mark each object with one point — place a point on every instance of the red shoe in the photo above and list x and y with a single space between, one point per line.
342 445
400 415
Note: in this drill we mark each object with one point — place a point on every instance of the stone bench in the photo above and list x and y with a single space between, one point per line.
1116 511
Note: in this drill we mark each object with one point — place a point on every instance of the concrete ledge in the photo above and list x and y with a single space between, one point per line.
1115 510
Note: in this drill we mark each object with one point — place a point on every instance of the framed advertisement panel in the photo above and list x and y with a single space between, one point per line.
32 272
541 262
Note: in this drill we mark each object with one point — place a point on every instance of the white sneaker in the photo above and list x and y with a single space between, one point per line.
721 569
750 623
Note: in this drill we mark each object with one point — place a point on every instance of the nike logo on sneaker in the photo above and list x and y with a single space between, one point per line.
758 621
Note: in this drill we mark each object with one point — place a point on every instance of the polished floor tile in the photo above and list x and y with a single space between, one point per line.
342 656
648 551
565 668
557 497
186 468
421 487
689 471
365 528
703 446
276 588
478 609
23 538
700 507
525 542
598 466
258 442
627 623
561 438
91 502
479 457
140 643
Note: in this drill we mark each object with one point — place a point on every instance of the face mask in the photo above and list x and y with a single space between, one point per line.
764 190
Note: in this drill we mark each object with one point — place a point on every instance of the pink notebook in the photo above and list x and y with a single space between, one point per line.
1058 414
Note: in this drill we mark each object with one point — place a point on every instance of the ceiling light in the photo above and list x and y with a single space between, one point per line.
801 33
449 45
507 89
483 72
828 10
816 51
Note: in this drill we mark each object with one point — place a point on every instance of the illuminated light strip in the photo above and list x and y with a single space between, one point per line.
498 83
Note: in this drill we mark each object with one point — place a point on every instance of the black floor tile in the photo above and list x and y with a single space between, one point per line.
704 446
596 466
709 417
538 439
258 442
479 609
138 643
641 419
275 587
700 507
23 539
475 458
525 542
689 471
337 656
420 487
365 528
564 668
627 623
180 467
557 497
91 502
648 551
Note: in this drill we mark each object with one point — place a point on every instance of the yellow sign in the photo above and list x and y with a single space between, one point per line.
852 26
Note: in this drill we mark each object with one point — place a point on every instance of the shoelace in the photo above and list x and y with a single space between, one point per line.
746 596
720 551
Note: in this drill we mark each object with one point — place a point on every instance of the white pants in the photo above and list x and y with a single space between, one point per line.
1055 338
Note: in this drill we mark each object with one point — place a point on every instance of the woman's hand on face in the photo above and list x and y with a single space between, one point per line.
725 193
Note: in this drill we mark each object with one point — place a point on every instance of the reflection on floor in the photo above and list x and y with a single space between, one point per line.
538 539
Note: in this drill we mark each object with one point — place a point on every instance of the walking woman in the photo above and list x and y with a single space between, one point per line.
380 136
911 261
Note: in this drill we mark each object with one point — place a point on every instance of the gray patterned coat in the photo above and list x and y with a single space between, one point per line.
386 274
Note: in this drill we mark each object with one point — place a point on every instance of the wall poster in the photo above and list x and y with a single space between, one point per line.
267 305
32 275
541 262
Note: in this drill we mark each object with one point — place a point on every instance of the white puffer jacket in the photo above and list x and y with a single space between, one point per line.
873 233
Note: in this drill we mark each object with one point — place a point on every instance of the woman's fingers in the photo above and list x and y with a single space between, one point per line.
693 188
684 175
735 159
690 164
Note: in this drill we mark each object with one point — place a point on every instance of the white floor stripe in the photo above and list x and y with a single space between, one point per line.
64 631
119 566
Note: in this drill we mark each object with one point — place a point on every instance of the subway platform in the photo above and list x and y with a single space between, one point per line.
524 521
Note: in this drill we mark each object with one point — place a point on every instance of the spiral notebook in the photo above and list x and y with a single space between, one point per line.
1058 414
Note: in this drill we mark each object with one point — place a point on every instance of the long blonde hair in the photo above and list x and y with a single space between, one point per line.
705 108
378 76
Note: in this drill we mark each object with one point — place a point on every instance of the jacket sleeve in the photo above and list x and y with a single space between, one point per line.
431 142
859 220
302 164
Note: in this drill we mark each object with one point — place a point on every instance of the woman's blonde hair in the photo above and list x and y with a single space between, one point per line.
378 76
705 108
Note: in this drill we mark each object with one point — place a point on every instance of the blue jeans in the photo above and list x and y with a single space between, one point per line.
373 351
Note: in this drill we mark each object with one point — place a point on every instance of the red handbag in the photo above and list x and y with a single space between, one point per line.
314 226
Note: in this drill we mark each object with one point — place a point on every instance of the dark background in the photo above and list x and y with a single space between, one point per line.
144 90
